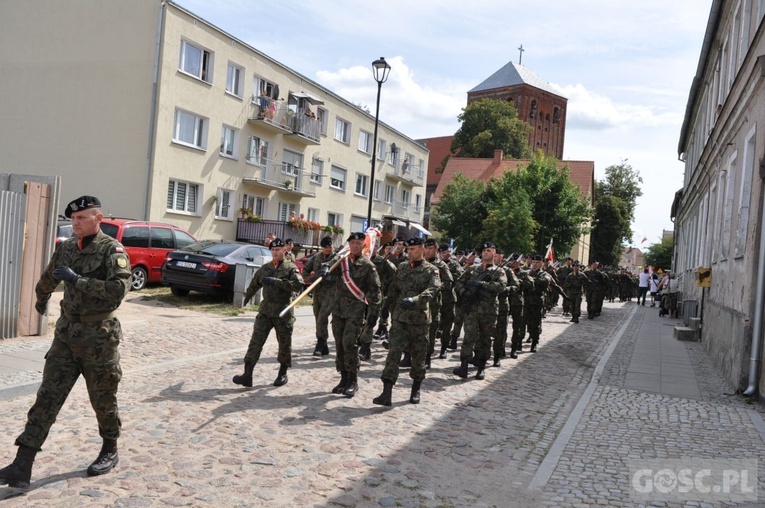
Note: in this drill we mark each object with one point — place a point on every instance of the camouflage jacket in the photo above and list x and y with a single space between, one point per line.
447 280
278 296
598 281
492 279
419 281
541 283
514 289
105 277
575 283
563 272
312 268
385 270
364 274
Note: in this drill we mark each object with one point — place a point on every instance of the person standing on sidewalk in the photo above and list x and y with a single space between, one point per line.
96 272
323 294
279 279
358 299
415 285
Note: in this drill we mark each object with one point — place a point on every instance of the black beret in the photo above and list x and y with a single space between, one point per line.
430 242
413 242
357 236
484 245
326 242
387 244
288 240
276 242
536 257
576 263
460 252
443 247
80 204
499 251
398 239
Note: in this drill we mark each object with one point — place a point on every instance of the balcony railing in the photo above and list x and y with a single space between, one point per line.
306 127
272 113
402 171
403 210
257 232
277 175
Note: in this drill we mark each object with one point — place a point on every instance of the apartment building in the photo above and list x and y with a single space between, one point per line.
166 117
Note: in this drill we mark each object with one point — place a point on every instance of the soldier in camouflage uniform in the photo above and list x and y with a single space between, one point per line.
542 284
448 300
574 285
518 284
446 293
466 261
480 285
396 255
96 273
503 311
562 273
279 279
323 294
386 271
414 287
358 299
596 290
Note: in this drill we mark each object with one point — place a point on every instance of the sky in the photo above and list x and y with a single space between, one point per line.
625 67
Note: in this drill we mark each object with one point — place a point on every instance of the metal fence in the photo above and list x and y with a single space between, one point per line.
12 207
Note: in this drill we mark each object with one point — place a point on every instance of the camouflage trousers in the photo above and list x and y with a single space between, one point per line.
519 326
385 311
534 322
260 330
410 338
90 349
595 301
566 306
575 304
447 320
478 331
435 322
459 319
322 309
347 332
500 332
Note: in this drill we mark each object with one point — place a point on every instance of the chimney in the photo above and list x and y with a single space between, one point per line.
497 156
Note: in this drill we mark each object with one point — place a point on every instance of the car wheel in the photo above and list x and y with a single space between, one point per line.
140 277
178 291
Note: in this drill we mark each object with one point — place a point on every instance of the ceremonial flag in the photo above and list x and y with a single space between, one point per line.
370 242
550 252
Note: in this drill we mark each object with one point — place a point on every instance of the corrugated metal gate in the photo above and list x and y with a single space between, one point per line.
12 211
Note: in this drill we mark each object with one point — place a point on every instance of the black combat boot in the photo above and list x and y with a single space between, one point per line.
442 354
365 352
453 343
414 398
106 460
246 378
353 384
340 388
479 375
496 360
18 474
462 370
529 339
406 361
382 332
319 348
281 378
384 399
513 354
576 318
534 346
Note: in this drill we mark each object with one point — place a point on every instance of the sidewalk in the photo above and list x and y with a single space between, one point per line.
555 428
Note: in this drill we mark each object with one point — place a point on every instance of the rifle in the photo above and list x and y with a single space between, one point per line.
343 253
470 293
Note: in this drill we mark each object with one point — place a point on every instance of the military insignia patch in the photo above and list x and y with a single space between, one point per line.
122 262
73 206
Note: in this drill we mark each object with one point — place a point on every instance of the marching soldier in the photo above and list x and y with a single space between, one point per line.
562 273
386 271
446 293
479 285
574 285
596 291
535 300
279 279
323 294
503 311
448 301
415 285
518 284
357 306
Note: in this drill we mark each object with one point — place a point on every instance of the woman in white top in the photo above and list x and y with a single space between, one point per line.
653 285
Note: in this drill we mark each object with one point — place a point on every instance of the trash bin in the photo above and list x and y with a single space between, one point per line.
242 277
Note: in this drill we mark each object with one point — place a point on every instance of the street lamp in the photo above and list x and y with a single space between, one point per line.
381 69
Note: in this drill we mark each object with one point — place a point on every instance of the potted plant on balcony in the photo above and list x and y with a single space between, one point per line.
245 212
288 184
253 218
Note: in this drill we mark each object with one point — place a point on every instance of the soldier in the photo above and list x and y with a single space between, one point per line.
503 311
542 282
596 290
446 293
358 299
562 273
574 285
279 279
386 271
415 285
518 284
96 273
388 249
448 301
479 285
323 294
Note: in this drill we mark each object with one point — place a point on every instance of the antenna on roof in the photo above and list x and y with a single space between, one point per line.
520 58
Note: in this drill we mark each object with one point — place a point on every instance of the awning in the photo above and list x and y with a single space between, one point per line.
310 98
398 222
420 228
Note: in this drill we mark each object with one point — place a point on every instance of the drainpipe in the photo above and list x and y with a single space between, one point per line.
754 359
153 116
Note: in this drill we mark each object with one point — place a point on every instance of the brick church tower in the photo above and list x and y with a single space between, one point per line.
536 101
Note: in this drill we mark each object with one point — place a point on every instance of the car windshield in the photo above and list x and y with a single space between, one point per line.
65 231
212 248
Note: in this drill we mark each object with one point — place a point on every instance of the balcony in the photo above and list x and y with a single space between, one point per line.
403 211
278 176
272 114
257 232
404 172
306 129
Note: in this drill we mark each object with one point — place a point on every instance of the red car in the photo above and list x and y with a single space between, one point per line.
147 244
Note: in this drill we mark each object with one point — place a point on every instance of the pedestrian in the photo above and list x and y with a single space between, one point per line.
358 298
653 285
643 285
279 279
289 247
96 275
672 288
323 294
413 288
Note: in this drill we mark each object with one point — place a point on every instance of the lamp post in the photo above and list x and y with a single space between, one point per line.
381 69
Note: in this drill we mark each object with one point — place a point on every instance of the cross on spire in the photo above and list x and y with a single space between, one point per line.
520 58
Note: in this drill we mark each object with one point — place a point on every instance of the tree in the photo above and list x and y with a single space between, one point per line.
510 222
623 182
489 125
607 230
659 255
461 211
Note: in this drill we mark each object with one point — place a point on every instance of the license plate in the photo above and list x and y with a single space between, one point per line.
185 264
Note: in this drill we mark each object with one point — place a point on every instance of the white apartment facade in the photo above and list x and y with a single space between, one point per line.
168 118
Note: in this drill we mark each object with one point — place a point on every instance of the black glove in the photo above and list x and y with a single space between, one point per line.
66 274
41 307
372 321
407 303
475 283
269 281
323 272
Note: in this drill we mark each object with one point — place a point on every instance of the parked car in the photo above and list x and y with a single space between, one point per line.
63 230
209 266
146 244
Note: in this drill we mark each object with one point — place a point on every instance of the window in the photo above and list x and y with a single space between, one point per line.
334 219
162 238
376 190
322 116
196 61
745 194
337 178
182 239
365 142
405 196
257 152
421 168
223 208
362 184
417 202
313 215
389 192
317 170
234 79
182 197
343 131
136 237
381 147
264 88
190 129
228 137
393 155
285 209
293 162
255 204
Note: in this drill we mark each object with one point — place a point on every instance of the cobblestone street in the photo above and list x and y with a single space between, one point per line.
539 431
